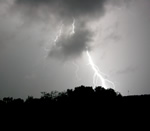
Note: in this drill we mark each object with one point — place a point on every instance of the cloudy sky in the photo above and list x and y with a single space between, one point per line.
40 51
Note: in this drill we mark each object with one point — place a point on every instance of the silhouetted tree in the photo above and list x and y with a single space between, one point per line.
2 102
84 96
8 100
111 93
29 99
18 101
51 95
100 91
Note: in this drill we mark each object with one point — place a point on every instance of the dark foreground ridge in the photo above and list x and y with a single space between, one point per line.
80 97
78 104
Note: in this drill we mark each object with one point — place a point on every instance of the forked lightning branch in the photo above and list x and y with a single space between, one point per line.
98 75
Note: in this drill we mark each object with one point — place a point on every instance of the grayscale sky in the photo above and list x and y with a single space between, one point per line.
116 33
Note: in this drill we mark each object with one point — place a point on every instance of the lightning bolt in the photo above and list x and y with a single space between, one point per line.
73 27
58 34
97 74
71 33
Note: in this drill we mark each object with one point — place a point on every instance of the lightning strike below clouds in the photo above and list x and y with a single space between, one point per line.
97 74
71 33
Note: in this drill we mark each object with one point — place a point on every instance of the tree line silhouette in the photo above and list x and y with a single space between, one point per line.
79 94
83 96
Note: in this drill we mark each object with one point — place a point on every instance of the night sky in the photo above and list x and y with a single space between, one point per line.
38 52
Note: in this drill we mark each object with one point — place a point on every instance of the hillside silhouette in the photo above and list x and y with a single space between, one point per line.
80 96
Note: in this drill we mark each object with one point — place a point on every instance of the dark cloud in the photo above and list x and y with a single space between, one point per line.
69 47
65 8
83 11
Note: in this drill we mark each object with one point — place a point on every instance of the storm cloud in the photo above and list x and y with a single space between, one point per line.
54 11
82 11
72 46
65 8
